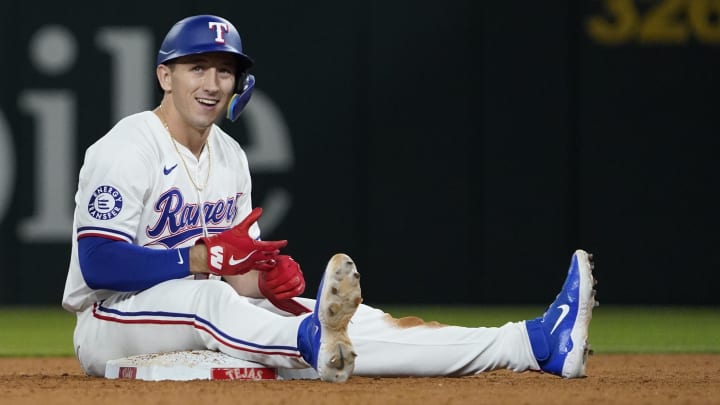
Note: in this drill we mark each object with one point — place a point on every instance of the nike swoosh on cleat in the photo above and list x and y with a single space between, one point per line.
180 261
565 308
232 261
167 171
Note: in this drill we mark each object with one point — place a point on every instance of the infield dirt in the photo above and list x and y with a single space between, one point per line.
613 379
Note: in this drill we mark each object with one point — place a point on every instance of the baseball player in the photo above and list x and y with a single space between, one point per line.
167 254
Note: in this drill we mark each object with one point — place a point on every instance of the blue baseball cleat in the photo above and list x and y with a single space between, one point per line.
322 337
559 337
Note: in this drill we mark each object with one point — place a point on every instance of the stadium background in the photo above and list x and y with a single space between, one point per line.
459 151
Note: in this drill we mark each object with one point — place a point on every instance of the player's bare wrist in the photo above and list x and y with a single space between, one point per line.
198 260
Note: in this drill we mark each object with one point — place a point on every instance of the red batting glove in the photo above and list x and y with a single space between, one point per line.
283 282
235 252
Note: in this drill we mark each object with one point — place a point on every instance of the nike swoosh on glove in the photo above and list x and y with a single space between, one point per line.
235 252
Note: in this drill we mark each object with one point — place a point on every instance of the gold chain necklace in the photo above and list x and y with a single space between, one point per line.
187 171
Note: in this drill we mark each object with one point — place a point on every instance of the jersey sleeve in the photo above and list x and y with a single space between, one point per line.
113 183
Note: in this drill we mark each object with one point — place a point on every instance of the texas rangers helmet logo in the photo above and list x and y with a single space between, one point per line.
105 203
220 29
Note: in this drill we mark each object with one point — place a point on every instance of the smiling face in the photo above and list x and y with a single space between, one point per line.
198 88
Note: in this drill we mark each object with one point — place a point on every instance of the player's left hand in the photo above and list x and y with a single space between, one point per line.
283 282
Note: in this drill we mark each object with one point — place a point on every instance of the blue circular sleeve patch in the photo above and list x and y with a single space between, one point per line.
105 203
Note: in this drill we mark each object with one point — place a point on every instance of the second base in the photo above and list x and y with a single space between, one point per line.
197 365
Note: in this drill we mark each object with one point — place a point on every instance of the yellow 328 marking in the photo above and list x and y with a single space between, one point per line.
656 22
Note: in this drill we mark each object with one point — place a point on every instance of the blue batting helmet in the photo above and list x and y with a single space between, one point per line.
208 33
202 34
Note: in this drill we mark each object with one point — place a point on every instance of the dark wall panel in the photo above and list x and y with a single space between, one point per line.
422 137
524 180
649 141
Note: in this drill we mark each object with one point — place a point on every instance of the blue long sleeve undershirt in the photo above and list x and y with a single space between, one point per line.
121 266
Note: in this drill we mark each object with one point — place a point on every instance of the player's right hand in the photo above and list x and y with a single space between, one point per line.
235 252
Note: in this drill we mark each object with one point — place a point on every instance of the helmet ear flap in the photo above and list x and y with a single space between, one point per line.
239 100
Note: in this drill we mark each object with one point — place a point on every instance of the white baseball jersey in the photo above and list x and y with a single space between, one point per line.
134 187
